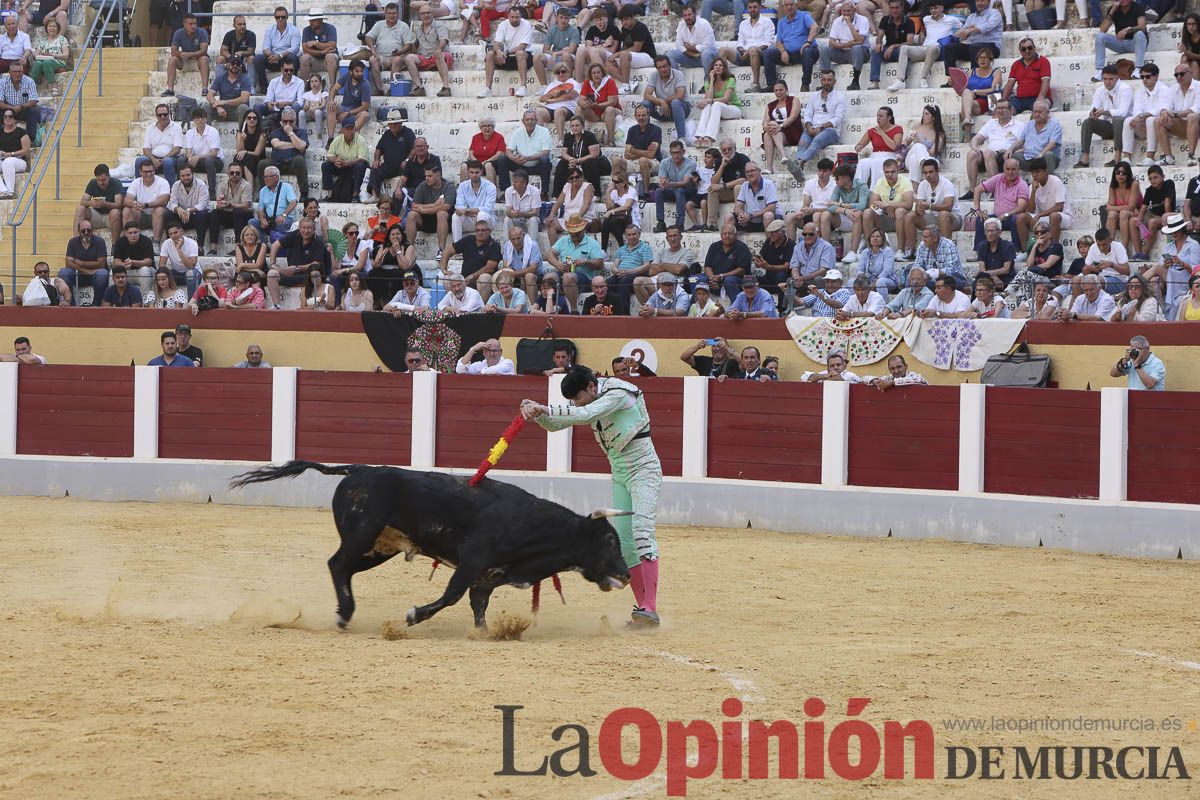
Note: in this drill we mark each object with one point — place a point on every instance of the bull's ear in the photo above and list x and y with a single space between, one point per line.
604 513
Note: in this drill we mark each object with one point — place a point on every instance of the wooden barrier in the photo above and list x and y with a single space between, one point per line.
769 433
1163 453
472 412
354 417
664 399
905 438
75 411
215 413
1042 442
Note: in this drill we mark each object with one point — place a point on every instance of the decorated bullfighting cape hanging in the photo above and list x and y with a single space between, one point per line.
621 423
442 337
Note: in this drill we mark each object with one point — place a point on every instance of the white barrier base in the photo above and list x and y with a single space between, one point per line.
1154 530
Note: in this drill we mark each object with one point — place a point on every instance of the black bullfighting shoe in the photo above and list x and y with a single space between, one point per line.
641 618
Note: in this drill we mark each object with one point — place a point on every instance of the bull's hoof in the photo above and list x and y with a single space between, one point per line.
342 623
411 617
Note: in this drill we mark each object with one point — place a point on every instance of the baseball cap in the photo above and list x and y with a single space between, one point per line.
749 280
181 328
833 275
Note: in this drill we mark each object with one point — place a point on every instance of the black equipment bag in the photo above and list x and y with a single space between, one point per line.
535 356
1018 368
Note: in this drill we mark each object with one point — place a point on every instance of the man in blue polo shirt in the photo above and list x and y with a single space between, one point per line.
170 353
304 251
795 41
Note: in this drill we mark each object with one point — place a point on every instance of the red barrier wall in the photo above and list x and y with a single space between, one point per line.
222 414
472 412
905 438
1163 453
764 431
354 417
75 411
1043 442
664 399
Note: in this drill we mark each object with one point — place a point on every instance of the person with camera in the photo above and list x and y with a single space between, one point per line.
1143 369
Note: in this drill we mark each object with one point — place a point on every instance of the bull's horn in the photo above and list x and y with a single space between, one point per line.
603 513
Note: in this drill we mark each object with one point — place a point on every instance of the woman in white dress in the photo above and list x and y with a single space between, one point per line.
358 297
926 140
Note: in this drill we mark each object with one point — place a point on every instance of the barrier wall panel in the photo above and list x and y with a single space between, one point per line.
472 412
1043 442
354 417
905 438
75 411
764 431
215 413
1162 452
664 399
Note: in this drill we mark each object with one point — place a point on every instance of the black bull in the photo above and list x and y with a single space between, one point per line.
492 534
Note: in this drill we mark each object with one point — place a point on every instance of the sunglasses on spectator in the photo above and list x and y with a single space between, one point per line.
161 114
809 235
1181 74
1028 49
281 16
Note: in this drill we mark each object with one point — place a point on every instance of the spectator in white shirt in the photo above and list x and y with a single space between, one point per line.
848 43
460 299
835 370
1049 200
179 254
936 197
995 138
695 42
1149 100
161 145
1095 304
755 35
823 120
146 200
493 362
522 203
1111 104
1107 258
282 92
866 302
935 27
202 150
898 375
948 301
1180 117
510 50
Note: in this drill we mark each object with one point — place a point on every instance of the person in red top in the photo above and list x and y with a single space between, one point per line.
380 223
600 99
884 138
209 288
1030 75
487 147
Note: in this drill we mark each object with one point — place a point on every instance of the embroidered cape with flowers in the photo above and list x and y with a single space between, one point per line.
442 337
864 340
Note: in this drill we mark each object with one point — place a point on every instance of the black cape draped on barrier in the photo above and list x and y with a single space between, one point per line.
443 338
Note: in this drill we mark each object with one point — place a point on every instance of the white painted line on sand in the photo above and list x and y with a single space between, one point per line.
1168 659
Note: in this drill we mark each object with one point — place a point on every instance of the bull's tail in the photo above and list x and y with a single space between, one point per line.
290 470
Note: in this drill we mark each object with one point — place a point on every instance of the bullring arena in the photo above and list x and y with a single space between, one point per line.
167 649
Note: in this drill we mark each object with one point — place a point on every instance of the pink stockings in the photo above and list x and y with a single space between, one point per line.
643 579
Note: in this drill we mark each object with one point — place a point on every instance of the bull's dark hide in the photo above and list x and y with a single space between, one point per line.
442 338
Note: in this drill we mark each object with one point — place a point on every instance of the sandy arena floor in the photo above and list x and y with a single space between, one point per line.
189 651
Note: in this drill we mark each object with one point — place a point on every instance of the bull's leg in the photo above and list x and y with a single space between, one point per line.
480 595
343 565
462 579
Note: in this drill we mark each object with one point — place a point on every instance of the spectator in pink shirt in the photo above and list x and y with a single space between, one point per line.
245 294
1011 196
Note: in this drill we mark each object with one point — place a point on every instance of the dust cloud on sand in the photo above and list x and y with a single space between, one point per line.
170 650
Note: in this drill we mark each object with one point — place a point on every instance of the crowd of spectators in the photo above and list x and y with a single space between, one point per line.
892 209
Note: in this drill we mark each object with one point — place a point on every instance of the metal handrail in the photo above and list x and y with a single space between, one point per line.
51 146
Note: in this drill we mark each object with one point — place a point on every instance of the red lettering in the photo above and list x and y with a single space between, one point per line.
649 743
894 735
678 770
731 740
788 744
814 739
